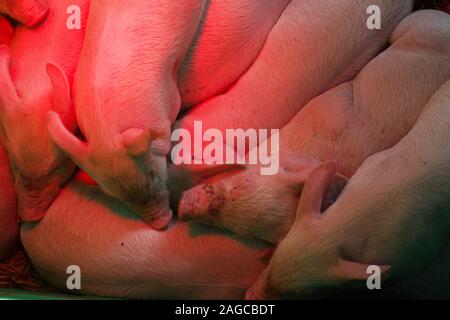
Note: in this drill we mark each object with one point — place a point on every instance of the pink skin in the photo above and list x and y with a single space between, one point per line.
35 78
303 57
225 201
358 128
27 12
300 71
399 221
52 257
231 36
126 98
308 260
137 134
121 257
9 230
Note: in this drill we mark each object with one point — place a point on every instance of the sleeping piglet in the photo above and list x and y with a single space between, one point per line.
315 45
393 213
349 123
120 256
35 75
126 98
140 64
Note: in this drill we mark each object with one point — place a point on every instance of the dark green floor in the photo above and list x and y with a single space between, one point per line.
10 294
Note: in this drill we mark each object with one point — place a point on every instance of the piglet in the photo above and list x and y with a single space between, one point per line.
35 75
126 98
279 79
28 12
120 256
315 45
349 123
393 213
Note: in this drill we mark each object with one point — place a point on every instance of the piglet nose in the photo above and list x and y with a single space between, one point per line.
193 203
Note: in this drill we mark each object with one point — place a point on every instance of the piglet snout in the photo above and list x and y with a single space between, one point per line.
209 200
193 203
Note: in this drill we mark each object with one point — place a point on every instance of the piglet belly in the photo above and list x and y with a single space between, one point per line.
229 40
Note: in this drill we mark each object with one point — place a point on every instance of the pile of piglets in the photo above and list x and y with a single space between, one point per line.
87 113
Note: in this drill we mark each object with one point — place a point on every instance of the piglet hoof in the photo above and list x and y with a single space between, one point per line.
31 215
159 221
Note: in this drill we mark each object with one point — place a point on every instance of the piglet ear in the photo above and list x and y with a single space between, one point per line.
350 270
299 166
334 191
315 190
136 141
61 100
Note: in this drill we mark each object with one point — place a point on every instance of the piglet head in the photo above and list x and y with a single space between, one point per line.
39 168
127 166
139 179
309 261
248 203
